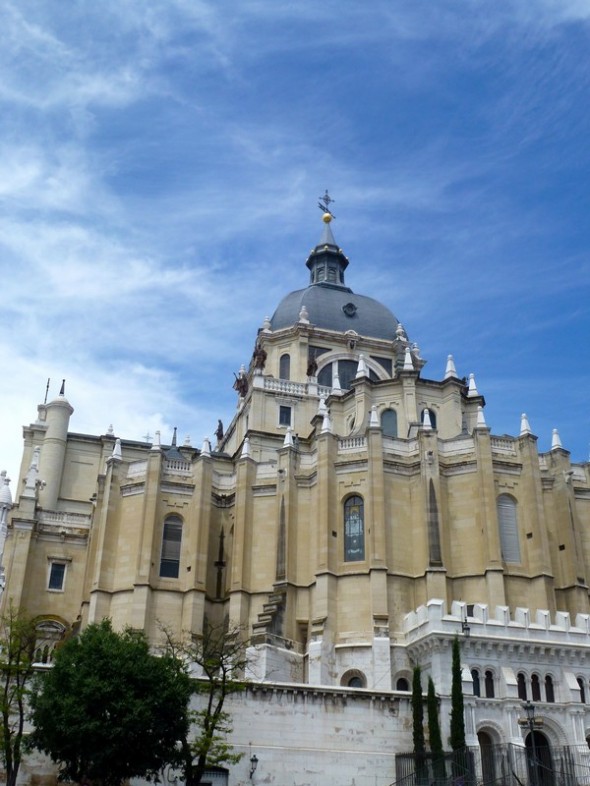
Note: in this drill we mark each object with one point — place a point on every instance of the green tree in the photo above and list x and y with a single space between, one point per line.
418 726
17 647
438 759
461 765
457 738
109 710
220 655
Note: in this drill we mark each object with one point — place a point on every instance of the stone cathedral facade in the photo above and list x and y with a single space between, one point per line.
355 517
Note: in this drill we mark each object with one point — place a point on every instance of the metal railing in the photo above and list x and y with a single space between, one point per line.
497 765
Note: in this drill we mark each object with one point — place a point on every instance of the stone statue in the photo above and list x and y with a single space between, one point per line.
259 356
219 430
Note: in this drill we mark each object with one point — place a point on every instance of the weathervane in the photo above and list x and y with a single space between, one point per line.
325 202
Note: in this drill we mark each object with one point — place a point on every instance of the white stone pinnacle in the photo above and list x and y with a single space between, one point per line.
246 448
266 325
555 440
117 455
374 418
408 364
322 407
288 441
336 389
110 431
450 370
326 424
206 449
525 427
304 315
361 371
472 390
156 442
481 421
427 423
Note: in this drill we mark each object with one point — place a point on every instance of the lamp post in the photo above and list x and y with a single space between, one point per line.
253 764
532 723
465 627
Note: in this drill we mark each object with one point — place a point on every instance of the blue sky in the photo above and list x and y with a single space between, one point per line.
160 165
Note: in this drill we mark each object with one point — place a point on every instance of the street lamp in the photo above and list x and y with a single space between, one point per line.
532 723
253 764
465 627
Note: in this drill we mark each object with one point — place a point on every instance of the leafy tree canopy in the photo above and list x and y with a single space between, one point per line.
220 657
17 646
108 710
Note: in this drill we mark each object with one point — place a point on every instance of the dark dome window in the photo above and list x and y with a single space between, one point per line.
349 309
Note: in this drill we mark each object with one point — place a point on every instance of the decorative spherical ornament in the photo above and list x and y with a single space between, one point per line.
326 218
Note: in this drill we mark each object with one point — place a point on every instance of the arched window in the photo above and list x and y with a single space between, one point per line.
549 692
353 678
389 423
354 529
285 367
521 681
402 684
476 684
171 539
489 684
535 687
508 523
432 414
582 690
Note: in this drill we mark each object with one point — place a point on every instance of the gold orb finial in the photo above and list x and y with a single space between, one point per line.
326 218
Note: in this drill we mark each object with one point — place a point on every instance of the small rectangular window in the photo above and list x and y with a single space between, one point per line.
57 575
284 416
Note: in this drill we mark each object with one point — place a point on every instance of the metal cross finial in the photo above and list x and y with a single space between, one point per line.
325 202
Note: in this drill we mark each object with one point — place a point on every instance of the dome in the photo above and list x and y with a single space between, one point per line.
329 303
336 308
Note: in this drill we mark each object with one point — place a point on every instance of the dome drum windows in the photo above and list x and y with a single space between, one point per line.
389 423
285 366
171 542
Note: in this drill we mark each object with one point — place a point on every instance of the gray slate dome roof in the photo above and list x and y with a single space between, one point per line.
329 303
336 308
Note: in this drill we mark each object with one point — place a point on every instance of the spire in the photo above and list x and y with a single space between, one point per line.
336 388
524 425
117 454
327 262
408 365
156 443
374 418
427 423
246 449
326 424
206 449
62 390
288 441
450 370
5 495
481 421
556 440
362 368
174 438
472 389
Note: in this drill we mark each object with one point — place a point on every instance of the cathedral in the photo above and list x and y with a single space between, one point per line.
355 517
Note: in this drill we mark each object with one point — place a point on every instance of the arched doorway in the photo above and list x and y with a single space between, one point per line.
488 762
539 762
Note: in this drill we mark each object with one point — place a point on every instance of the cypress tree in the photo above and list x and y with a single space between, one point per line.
418 727
461 764
457 739
438 759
